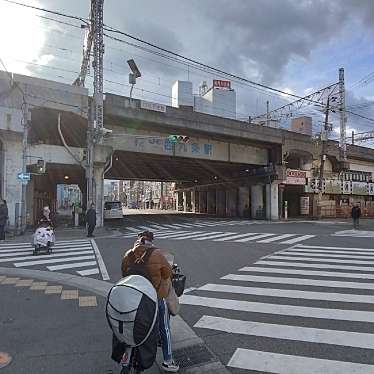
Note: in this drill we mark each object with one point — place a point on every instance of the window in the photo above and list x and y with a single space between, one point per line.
109 205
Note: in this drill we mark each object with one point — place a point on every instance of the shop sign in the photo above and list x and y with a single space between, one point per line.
332 186
304 205
296 177
221 83
371 188
156 107
359 188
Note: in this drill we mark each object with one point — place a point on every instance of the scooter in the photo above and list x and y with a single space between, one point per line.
44 239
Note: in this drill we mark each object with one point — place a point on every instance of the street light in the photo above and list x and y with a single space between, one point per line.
132 76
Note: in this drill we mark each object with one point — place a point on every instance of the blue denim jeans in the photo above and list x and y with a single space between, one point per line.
164 328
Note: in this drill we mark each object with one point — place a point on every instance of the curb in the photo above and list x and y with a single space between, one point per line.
183 335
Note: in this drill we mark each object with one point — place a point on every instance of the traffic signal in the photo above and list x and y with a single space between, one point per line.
178 138
83 154
40 167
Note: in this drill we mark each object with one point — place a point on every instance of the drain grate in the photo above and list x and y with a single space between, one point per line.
193 356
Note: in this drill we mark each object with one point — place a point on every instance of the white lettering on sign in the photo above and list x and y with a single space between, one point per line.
221 83
296 177
152 106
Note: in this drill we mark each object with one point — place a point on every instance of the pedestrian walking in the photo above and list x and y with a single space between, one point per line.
356 214
91 220
160 272
3 218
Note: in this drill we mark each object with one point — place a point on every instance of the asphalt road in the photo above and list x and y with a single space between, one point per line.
286 298
271 298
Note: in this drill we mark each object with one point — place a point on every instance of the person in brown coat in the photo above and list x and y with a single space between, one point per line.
159 272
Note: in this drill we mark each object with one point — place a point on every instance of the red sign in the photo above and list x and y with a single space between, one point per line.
296 177
221 84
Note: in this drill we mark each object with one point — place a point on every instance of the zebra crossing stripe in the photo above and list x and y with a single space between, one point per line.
324 260
269 261
236 236
268 362
21 253
307 272
31 257
210 236
295 333
339 248
299 281
298 239
292 294
52 260
71 266
176 234
278 309
273 239
60 242
88 272
253 238
133 229
55 247
189 236
327 255
347 252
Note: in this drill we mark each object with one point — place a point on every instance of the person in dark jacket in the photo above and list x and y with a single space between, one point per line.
45 220
356 214
3 218
91 220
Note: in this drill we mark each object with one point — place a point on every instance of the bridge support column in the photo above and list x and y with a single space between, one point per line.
99 194
185 200
193 201
202 201
272 208
243 202
257 200
220 203
211 202
231 202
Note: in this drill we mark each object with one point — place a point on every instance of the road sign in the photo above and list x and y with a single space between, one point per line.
24 176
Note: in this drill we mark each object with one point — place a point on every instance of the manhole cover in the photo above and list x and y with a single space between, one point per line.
5 359
193 355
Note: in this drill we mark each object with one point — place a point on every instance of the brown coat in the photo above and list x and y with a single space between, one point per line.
158 269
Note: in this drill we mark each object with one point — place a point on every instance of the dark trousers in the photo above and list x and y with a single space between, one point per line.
90 229
356 223
2 232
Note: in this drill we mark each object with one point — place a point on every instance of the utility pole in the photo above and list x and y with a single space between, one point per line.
25 123
353 138
323 156
267 114
343 118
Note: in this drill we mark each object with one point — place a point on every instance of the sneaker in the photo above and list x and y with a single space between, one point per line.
170 366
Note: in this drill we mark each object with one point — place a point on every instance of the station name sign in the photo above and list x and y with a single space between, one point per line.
156 107
296 177
221 83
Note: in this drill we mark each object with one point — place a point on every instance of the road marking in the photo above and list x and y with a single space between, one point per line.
177 233
188 236
279 309
298 333
269 261
301 250
55 247
253 238
52 261
62 242
236 236
31 257
210 236
88 272
292 294
341 248
67 250
324 260
133 229
71 266
308 272
298 239
100 261
287 364
284 236
326 255
299 281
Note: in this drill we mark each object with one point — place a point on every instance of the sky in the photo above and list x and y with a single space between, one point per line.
293 45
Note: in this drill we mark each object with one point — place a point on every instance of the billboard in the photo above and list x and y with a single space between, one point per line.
221 83
295 177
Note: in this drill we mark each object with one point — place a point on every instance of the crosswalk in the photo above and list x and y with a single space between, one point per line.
355 233
80 256
174 232
306 309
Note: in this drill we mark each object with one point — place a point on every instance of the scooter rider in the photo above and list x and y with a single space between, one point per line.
160 272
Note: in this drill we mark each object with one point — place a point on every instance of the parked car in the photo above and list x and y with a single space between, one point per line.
113 210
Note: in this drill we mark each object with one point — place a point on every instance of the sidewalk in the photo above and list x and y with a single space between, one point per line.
41 339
